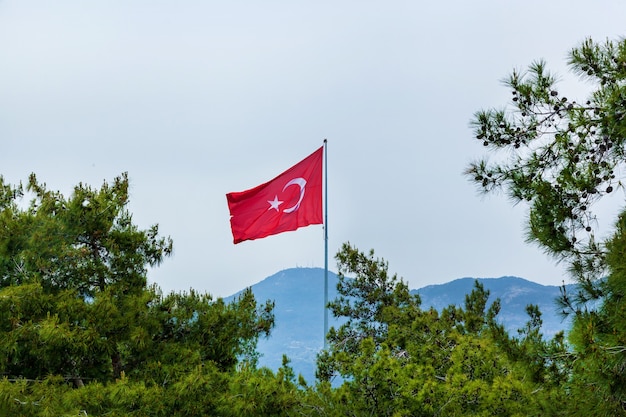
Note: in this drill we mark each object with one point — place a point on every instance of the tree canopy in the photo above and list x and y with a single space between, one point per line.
396 359
562 156
82 333
76 312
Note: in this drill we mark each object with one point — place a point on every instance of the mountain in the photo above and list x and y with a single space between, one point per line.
514 294
298 294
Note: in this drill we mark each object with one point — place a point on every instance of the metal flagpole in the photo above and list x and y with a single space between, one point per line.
325 242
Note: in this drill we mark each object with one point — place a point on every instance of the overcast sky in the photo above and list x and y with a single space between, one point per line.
198 98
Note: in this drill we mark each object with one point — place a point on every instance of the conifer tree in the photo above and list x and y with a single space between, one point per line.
396 359
561 157
560 154
81 331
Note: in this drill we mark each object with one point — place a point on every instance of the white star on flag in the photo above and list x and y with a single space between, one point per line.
274 203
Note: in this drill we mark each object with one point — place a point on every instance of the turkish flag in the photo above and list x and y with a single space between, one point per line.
291 200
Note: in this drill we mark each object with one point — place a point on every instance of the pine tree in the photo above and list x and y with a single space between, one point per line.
561 157
558 154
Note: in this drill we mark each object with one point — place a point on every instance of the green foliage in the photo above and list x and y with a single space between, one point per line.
183 330
403 361
370 300
562 156
367 298
73 280
86 242
81 333
260 392
200 391
599 339
50 334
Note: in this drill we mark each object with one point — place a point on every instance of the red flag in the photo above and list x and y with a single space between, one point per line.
291 200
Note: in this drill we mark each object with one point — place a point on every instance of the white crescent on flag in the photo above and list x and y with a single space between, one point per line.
301 182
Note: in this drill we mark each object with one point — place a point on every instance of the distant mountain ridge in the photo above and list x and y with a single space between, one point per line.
514 293
298 294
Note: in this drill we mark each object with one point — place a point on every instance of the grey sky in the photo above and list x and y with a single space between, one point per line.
199 98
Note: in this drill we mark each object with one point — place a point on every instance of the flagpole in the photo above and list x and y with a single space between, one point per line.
325 242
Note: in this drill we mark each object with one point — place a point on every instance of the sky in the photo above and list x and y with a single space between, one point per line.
198 98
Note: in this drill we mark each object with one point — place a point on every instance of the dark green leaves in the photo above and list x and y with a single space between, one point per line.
557 154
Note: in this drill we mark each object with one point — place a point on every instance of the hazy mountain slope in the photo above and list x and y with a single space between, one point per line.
514 294
298 294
